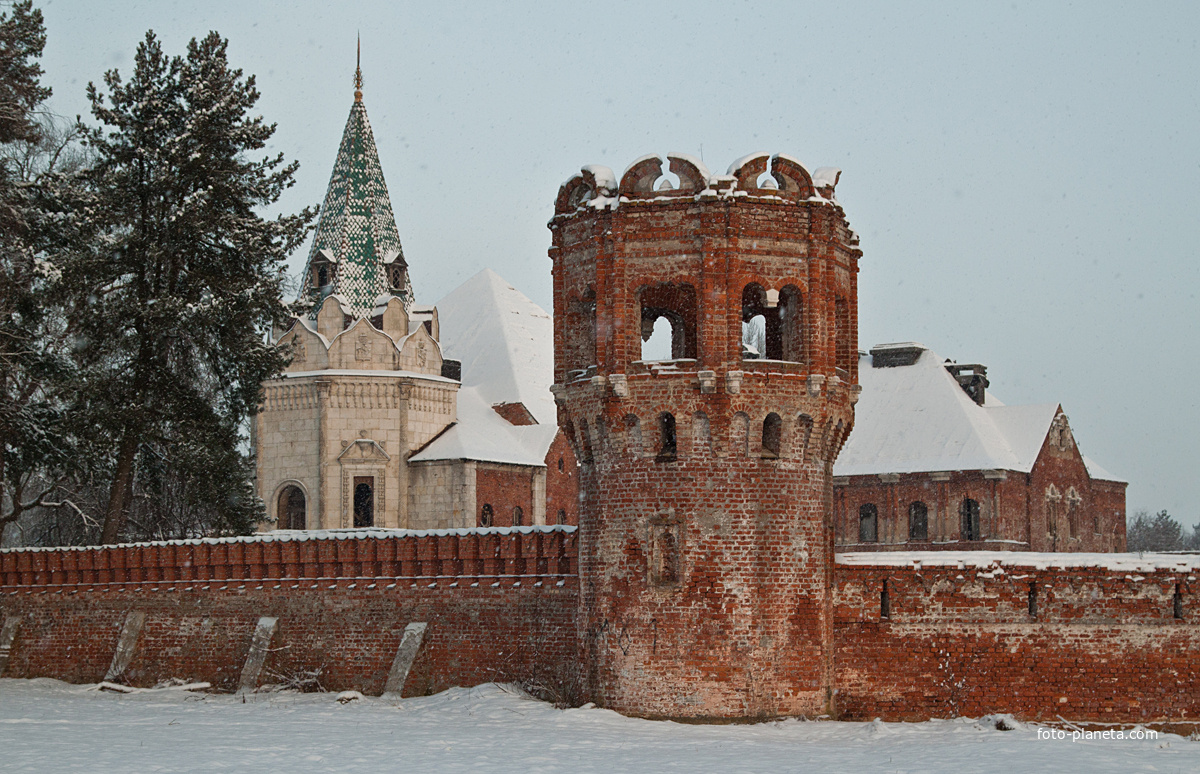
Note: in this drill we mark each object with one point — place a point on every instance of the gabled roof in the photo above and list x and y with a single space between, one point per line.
916 418
505 343
356 225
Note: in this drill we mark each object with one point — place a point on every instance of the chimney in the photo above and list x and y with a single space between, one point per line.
972 378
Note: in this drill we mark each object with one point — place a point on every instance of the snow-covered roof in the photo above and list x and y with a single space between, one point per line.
505 343
484 436
916 418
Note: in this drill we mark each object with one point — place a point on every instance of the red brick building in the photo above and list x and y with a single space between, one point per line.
936 462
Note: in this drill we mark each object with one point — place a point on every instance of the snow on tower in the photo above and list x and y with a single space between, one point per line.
356 253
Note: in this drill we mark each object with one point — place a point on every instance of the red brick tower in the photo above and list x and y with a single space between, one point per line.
706 544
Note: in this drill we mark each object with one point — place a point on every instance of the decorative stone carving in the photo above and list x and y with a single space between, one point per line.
362 348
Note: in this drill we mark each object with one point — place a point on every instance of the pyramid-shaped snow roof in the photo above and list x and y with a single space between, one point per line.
505 343
916 418
356 227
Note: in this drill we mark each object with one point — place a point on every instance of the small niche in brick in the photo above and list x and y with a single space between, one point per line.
1177 602
664 557
772 436
1033 600
668 449
486 516
885 601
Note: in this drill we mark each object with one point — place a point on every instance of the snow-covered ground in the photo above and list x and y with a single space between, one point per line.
46 725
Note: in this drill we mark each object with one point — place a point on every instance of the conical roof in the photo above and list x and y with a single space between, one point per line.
356 228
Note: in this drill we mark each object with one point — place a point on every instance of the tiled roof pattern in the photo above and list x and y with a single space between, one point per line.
356 224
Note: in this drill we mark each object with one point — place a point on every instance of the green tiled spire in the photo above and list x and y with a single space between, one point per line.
356 226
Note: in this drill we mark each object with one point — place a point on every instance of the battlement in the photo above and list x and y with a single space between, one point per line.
780 178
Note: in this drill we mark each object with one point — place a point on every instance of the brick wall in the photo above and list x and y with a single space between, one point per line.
500 606
562 482
505 488
960 639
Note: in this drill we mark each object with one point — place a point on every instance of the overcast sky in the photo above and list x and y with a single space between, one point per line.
1025 177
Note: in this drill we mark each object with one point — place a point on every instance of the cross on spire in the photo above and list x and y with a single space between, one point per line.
358 73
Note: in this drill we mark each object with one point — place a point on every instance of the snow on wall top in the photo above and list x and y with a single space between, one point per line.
1131 563
916 418
304 535
505 343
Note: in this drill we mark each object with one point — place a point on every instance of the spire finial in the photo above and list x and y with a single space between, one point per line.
358 73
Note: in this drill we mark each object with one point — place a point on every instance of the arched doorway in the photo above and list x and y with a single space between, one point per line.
291 512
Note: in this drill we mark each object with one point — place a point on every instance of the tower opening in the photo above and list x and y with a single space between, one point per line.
677 304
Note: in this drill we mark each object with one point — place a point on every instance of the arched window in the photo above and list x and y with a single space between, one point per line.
561 518
486 517
970 520
518 517
668 449
290 512
1073 501
918 521
868 523
772 435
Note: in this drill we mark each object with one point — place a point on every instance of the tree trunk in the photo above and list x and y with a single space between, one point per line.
122 490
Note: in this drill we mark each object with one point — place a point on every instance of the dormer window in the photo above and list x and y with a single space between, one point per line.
395 275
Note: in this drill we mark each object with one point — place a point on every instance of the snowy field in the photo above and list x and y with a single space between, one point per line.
48 726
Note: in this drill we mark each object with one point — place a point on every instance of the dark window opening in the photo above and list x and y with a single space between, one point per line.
518 517
1177 602
291 509
918 521
560 464
885 602
561 518
970 520
868 523
486 517
676 304
772 436
322 276
668 449
364 501
1033 611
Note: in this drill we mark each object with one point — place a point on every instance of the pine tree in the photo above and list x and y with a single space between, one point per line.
176 278
31 448
1159 532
